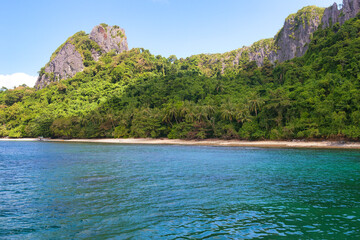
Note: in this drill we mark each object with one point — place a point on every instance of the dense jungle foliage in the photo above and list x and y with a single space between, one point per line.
136 94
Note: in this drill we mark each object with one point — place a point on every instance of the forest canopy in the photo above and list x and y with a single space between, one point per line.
137 94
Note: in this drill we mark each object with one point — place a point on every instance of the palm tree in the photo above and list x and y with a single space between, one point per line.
279 103
171 113
228 111
255 103
243 114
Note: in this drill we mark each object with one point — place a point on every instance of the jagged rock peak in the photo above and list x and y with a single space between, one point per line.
81 50
331 16
334 14
291 41
294 37
109 38
65 64
350 9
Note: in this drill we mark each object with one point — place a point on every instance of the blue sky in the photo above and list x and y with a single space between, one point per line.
32 30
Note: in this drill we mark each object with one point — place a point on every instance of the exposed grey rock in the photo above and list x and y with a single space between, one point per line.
331 16
295 36
65 65
236 61
293 39
95 55
109 38
349 10
68 61
252 53
259 54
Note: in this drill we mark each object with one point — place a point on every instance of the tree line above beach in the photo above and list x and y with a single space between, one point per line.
137 94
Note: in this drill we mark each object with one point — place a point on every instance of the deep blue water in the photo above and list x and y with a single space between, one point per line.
95 191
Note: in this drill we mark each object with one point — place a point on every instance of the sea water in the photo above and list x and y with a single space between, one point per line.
99 191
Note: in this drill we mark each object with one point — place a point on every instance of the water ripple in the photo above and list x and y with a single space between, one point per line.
87 191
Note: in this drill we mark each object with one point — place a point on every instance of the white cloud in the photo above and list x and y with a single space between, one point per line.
17 79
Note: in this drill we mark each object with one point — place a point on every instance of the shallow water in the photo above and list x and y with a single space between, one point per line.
94 191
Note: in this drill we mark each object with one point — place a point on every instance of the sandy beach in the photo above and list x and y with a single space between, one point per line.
208 142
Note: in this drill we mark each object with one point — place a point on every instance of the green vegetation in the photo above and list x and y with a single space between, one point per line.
304 15
267 44
104 25
137 94
302 18
82 44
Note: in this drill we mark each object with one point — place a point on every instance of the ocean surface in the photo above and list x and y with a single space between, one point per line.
104 191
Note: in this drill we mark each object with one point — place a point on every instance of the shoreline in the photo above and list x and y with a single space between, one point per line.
207 142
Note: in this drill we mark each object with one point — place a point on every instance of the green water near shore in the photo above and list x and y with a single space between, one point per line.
95 191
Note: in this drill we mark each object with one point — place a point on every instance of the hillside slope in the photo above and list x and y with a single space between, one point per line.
291 41
81 50
137 94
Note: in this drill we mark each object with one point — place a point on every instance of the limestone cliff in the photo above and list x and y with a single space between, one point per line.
293 39
64 65
290 42
333 14
81 50
109 38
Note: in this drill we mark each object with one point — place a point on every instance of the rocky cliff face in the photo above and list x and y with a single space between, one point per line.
350 9
79 51
65 65
333 14
109 38
290 42
293 39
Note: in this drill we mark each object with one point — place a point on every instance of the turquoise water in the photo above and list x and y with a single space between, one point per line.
94 191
